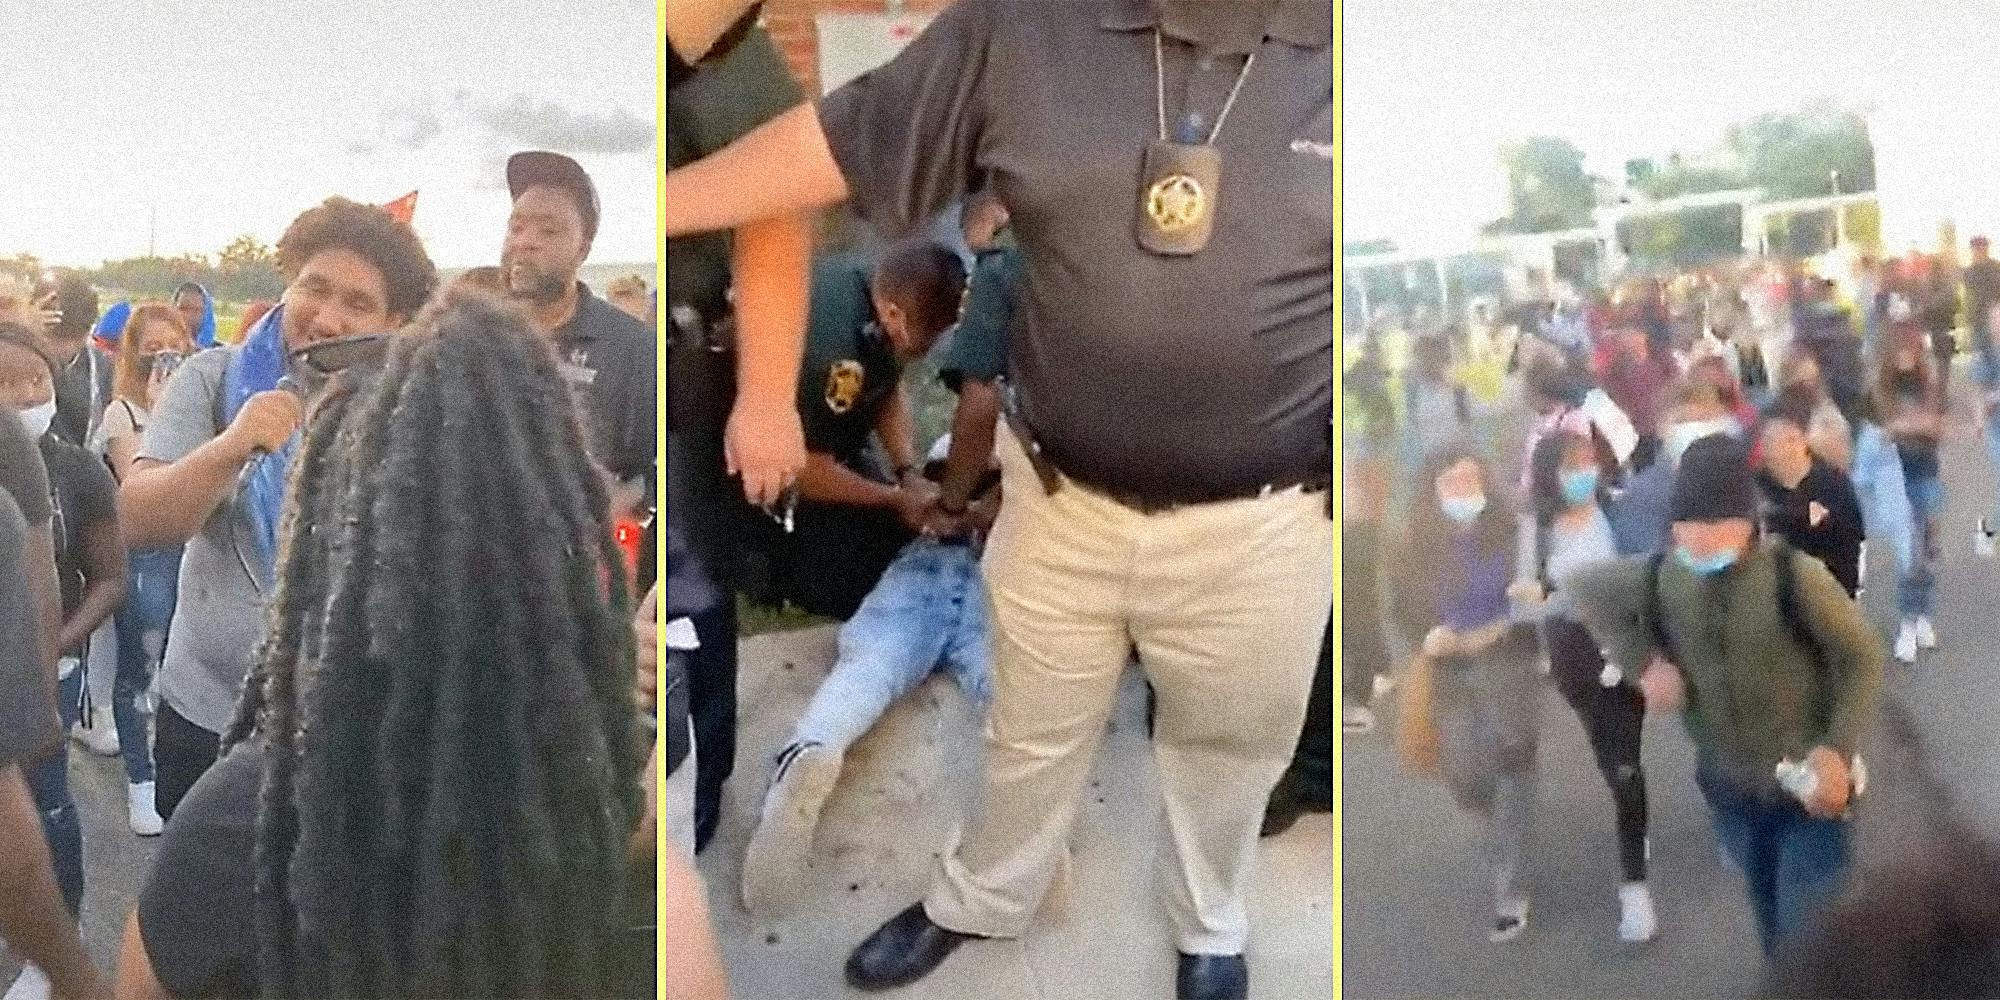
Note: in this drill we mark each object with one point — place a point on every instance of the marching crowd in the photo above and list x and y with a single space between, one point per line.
1681 527
352 585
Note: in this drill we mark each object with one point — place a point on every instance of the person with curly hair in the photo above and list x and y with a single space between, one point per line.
210 471
431 780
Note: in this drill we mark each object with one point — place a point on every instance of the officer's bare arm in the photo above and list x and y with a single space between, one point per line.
694 25
973 426
771 261
897 428
783 168
827 481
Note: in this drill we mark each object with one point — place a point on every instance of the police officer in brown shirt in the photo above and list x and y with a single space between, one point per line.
1168 165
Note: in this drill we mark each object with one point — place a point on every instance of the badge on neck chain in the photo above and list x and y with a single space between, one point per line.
1177 189
1179 181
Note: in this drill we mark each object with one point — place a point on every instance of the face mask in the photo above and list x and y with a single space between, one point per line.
37 419
1579 485
1680 436
1463 510
1708 566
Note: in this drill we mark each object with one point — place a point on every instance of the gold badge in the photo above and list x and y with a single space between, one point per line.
843 385
1176 203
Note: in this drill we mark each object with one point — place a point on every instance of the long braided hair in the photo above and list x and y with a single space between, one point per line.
444 696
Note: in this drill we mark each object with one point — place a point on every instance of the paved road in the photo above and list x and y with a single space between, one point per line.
1413 896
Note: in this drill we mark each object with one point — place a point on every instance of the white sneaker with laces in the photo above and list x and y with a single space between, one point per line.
145 817
1926 633
1906 642
775 862
1637 923
1510 920
99 737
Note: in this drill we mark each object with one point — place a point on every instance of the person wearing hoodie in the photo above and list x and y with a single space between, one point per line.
197 309
1763 682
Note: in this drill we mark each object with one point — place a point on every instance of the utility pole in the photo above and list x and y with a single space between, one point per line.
152 228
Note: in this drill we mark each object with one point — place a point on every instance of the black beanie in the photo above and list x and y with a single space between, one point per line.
1714 482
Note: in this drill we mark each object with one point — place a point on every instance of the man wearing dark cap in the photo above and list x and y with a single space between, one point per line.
1169 169
607 355
1774 667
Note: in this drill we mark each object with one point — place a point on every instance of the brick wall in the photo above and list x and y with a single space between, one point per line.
792 27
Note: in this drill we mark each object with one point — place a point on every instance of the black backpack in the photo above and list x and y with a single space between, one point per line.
1788 603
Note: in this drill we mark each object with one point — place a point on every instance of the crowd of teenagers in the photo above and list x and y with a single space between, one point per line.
1139 457
353 588
1676 520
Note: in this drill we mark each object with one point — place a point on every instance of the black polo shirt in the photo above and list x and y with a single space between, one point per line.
1173 378
612 359
723 101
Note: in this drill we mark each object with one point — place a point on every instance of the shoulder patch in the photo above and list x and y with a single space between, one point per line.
844 379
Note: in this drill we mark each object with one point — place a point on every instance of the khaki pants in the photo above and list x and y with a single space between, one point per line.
1227 604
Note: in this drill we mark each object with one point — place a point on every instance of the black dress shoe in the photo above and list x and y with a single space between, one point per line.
1212 977
902 951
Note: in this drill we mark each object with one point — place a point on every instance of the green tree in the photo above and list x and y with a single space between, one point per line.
1547 187
1797 154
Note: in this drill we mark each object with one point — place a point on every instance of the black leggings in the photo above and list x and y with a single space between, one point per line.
1611 717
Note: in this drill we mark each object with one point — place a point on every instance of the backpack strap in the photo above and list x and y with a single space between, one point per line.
1664 645
1788 600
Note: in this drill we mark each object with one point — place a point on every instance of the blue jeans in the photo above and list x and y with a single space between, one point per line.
1794 863
1916 586
142 637
927 612
48 785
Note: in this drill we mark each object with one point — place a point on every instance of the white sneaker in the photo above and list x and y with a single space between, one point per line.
1906 642
1510 920
1356 720
146 821
1982 541
1637 923
1926 633
32 985
100 737
774 864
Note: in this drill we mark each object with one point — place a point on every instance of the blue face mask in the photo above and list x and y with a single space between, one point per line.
1463 510
1708 566
1579 485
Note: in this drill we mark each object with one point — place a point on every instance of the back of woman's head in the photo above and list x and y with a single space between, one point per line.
445 693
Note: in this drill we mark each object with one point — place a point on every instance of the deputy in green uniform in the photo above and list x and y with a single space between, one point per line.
861 497
1169 166
736 309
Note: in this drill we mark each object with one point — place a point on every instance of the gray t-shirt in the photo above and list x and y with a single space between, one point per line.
220 615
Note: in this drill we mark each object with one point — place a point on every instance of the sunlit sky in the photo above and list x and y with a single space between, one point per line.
230 118
1432 91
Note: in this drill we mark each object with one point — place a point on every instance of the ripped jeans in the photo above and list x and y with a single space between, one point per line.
48 784
1488 710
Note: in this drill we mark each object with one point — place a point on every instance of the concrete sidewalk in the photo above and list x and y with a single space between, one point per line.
901 795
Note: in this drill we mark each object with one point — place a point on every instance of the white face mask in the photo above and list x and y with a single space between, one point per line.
37 419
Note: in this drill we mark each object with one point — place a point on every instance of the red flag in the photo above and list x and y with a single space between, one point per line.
402 209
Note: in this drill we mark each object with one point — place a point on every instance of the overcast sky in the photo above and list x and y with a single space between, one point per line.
233 117
1431 91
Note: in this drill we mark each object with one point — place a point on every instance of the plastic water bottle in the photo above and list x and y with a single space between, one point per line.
1798 778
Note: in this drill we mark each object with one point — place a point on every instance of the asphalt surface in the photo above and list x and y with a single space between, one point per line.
1414 896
